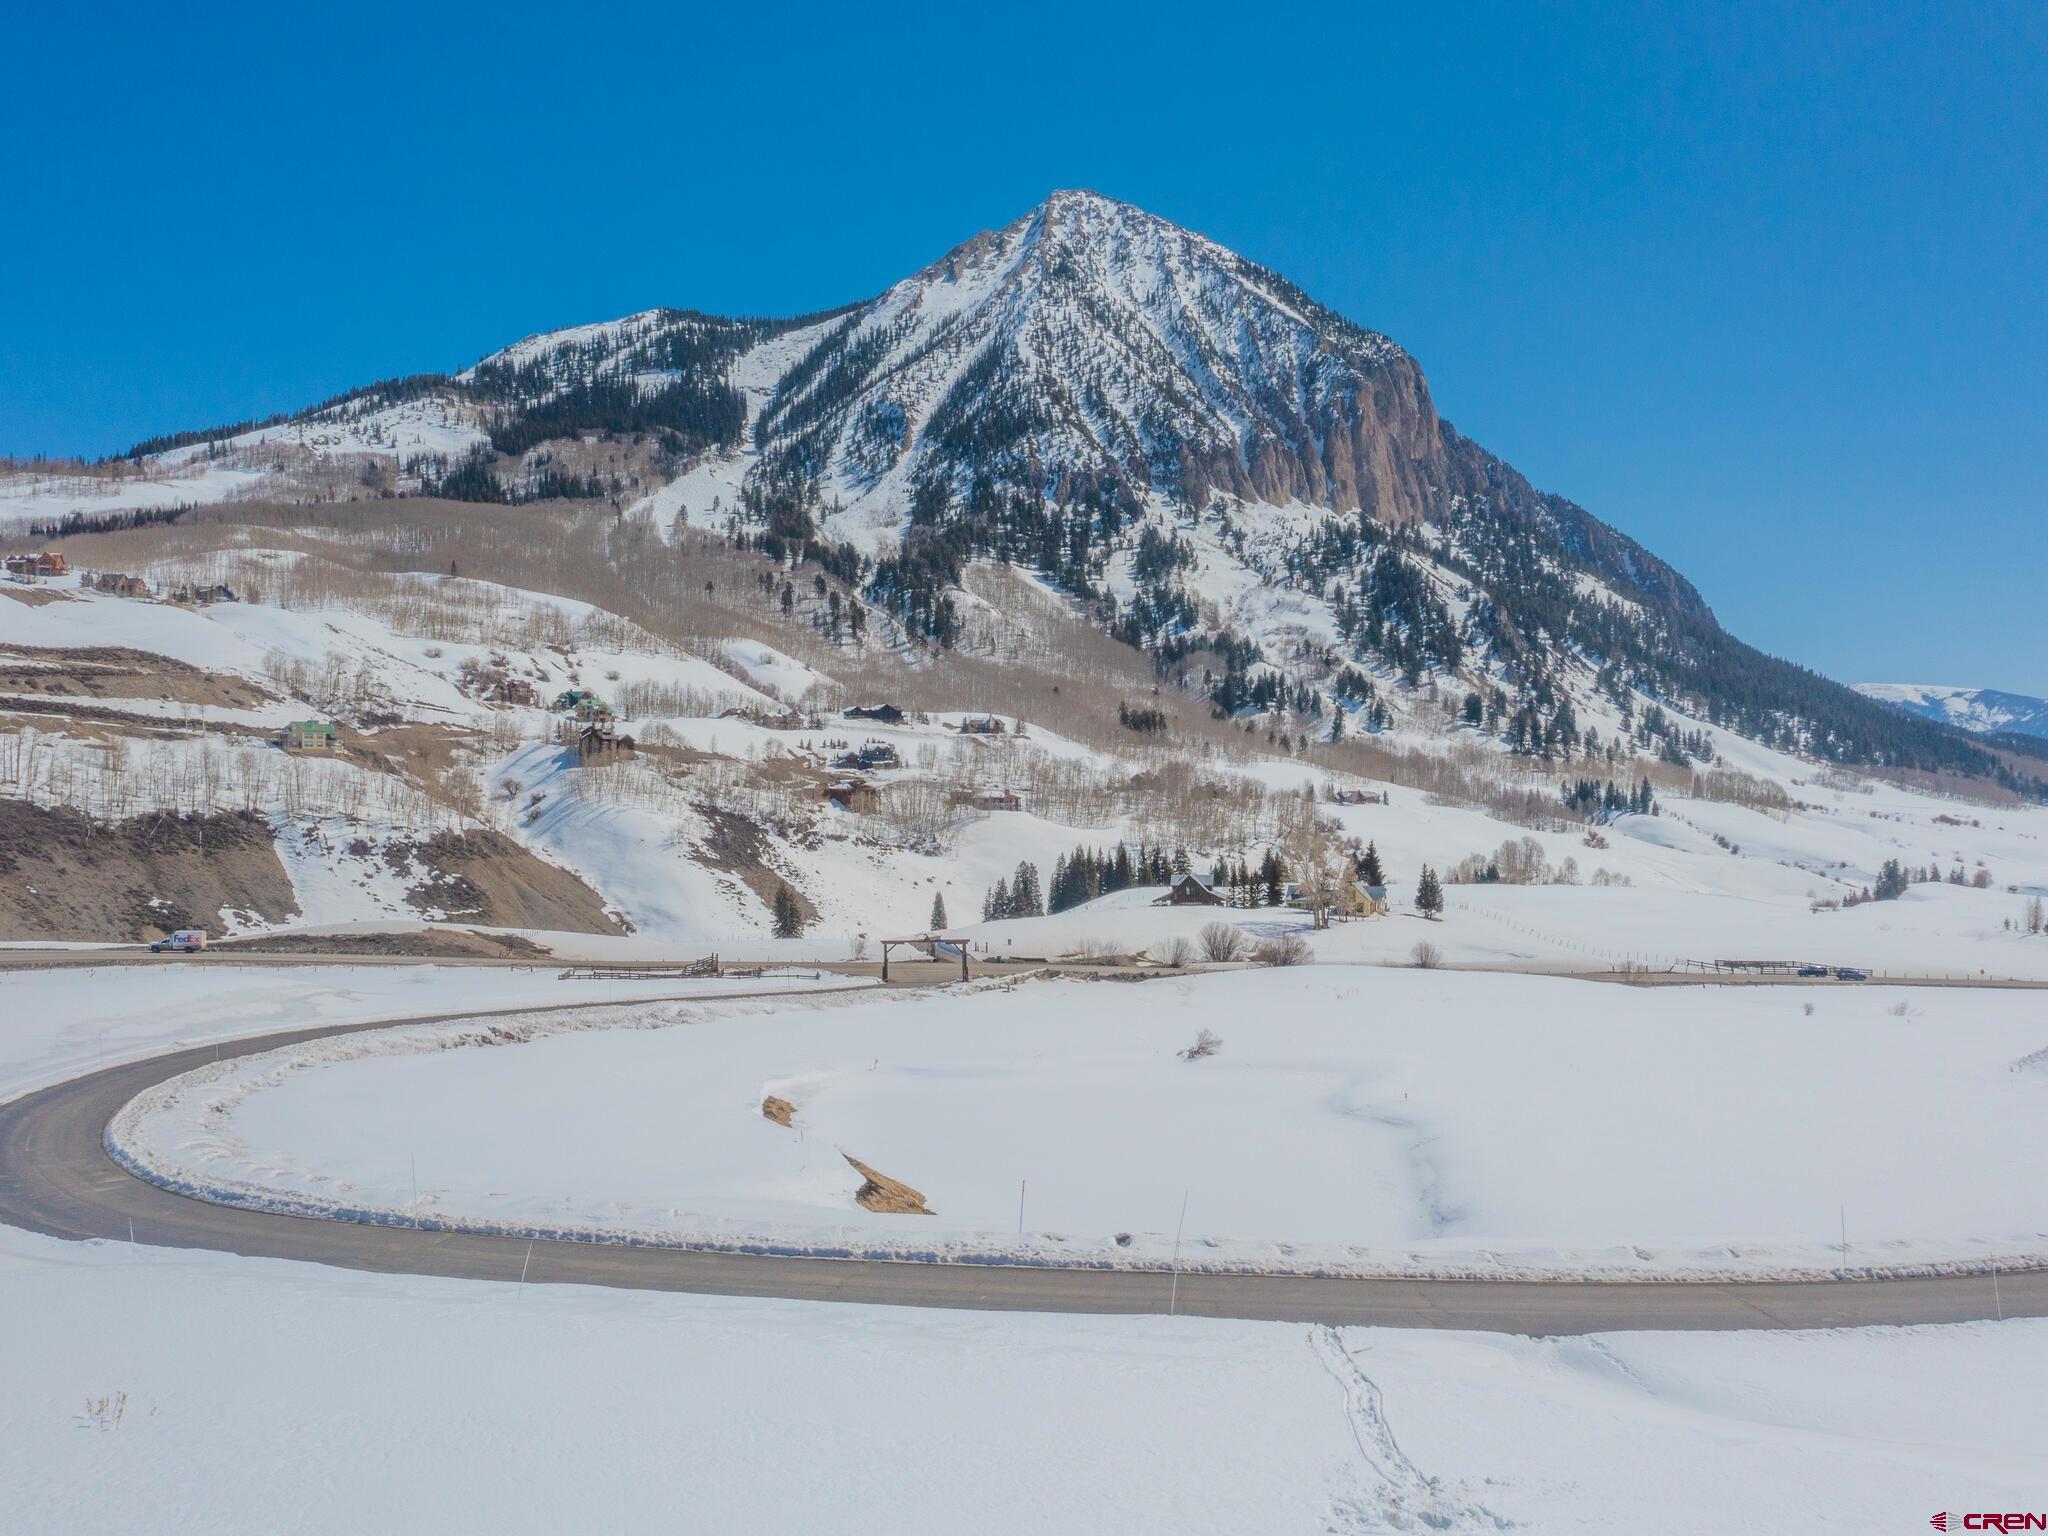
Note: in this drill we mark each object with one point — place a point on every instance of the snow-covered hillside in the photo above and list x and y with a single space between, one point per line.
122 707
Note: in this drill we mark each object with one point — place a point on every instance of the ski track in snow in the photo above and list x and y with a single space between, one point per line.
1403 1497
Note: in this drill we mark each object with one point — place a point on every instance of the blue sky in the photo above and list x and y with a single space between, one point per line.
1762 286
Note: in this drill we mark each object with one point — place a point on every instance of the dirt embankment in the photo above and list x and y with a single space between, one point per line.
118 672
738 846
485 877
64 876
427 943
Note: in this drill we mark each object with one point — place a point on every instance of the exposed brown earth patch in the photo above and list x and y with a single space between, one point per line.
484 877
737 846
882 1193
781 1111
125 722
428 943
65 876
33 597
118 672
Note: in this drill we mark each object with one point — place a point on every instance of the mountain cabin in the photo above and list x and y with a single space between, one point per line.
1188 891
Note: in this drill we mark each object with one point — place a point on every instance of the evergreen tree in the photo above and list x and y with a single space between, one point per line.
1429 894
997 906
789 917
1025 899
938 919
1369 868
1891 881
1271 873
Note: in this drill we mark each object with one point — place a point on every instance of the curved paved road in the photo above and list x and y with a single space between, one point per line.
56 1177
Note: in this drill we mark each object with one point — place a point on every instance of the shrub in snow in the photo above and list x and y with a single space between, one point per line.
1426 956
1207 1043
1175 952
1222 942
1283 949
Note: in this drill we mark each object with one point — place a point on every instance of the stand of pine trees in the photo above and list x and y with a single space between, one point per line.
1086 873
1018 896
1590 797
1243 885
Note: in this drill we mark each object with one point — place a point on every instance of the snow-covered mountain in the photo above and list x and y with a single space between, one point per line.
1252 488
1984 711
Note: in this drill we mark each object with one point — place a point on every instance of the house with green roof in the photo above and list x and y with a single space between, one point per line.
310 736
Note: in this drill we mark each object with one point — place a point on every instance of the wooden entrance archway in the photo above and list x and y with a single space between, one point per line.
930 944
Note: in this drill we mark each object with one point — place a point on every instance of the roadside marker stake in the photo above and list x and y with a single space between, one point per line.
1173 1302
524 1262
1996 1301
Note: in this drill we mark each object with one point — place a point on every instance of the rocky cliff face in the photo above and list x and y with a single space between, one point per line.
1090 340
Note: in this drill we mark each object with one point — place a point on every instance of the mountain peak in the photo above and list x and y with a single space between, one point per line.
1090 343
1204 456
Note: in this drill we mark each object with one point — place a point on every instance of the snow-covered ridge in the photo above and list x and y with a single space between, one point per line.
1981 710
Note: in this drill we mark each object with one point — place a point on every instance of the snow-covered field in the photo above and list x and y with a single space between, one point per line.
1352 1120
254 1395
166 1391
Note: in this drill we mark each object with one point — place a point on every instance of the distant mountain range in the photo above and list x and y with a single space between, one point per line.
1981 711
